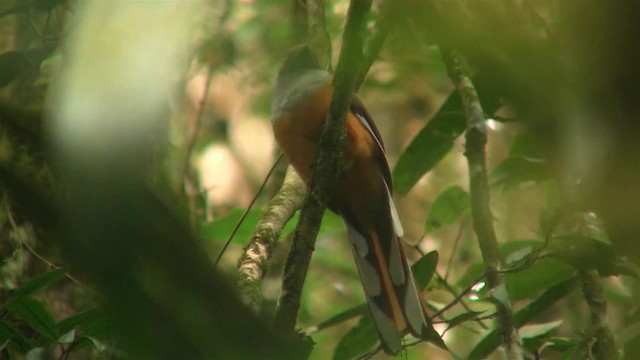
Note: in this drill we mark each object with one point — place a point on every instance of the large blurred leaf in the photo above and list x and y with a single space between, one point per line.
35 315
39 282
91 322
424 269
436 139
12 65
447 208
518 169
492 340
357 341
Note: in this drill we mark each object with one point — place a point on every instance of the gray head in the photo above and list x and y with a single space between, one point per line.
299 77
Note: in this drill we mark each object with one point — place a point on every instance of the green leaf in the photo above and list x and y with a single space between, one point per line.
518 169
492 340
67 338
426 150
39 282
39 353
534 335
35 315
436 139
343 316
424 269
357 341
18 338
447 208
533 278
92 322
583 253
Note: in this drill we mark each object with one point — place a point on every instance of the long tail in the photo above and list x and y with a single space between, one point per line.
388 283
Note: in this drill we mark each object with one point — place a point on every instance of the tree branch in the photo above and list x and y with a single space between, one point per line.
326 169
319 39
605 347
475 140
279 210
376 40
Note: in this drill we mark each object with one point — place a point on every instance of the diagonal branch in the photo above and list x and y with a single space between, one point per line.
324 176
475 140
279 210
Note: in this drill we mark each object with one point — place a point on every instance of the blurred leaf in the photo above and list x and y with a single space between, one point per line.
518 169
357 341
35 315
623 266
67 338
343 316
99 345
628 333
447 208
39 282
462 318
583 253
92 322
528 145
424 269
18 338
560 343
426 150
534 335
492 340
39 354
12 65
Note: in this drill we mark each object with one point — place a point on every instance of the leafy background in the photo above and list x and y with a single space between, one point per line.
52 306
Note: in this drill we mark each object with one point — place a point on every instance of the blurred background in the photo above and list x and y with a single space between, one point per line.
127 108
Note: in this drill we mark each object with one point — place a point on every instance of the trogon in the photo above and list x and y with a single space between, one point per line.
362 196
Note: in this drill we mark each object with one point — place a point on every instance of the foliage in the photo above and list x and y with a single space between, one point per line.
561 158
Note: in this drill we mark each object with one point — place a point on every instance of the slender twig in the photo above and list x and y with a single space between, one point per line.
449 288
192 134
319 38
325 168
459 297
475 141
279 210
378 36
246 211
461 227
604 348
50 264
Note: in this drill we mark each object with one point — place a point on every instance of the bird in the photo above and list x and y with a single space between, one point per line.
362 194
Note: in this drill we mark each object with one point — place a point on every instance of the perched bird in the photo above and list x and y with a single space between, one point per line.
362 196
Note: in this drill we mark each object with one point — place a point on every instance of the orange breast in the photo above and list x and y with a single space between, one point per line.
298 133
